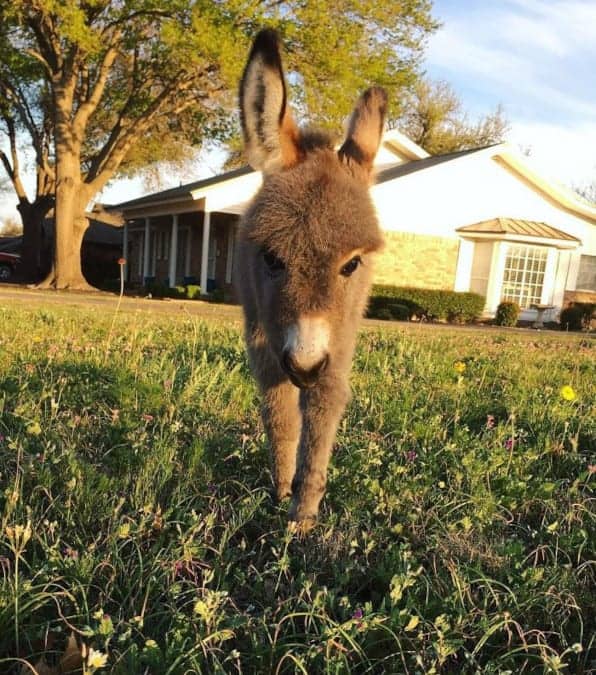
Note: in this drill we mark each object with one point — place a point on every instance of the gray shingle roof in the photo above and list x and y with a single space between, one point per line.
426 163
181 191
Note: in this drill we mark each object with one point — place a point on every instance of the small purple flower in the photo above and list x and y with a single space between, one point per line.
411 455
509 443
1 438
490 421
358 614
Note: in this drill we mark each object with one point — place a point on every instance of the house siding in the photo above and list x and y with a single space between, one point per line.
417 260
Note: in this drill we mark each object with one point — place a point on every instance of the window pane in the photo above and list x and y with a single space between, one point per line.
524 274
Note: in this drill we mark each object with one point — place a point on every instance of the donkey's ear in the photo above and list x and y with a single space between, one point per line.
365 130
270 133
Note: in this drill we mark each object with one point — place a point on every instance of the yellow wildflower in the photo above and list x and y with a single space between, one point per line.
459 367
568 393
96 659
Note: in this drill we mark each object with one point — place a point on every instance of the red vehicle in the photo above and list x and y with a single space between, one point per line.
8 265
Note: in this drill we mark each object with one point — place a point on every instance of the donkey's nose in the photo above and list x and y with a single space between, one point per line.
300 376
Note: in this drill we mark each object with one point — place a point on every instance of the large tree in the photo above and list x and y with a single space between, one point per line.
25 111
433 117
112 73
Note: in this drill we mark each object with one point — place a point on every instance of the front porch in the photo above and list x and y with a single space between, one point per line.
181 248
187 235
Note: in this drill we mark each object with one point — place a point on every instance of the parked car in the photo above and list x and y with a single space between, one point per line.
8 265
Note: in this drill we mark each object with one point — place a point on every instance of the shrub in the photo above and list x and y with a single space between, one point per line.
162 290
193 291
507 313
399 312
426 303
577 316
385 314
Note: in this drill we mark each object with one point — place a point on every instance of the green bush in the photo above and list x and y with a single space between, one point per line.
162 290
577 316
193 291
384 314
399 312
430 304
507 313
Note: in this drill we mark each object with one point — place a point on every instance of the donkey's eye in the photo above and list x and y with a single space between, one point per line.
351 266
274 264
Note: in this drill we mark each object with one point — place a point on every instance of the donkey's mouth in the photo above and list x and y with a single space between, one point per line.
301 377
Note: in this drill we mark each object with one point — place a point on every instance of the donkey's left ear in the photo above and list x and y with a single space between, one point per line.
270 133
365 130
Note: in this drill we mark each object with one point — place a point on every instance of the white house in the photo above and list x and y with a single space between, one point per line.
476 220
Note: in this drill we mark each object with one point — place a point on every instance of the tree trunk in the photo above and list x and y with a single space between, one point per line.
70 225
33 216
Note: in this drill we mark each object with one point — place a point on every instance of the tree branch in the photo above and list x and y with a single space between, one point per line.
92 100
123 137
14 170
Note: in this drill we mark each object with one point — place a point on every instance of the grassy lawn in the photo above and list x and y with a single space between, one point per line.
458 533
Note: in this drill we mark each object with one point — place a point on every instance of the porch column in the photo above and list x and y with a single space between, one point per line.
463 270
205 250
187 251
125 249
495 278
173 251
146 250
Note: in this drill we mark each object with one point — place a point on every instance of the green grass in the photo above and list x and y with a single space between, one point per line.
446 544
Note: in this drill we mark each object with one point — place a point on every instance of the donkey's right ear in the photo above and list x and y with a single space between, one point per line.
270 133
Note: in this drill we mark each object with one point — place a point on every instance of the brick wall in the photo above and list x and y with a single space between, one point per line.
579 296
418 260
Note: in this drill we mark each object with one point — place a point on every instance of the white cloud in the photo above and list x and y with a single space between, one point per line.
538 58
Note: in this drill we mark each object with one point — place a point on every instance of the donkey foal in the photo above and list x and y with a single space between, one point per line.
304 270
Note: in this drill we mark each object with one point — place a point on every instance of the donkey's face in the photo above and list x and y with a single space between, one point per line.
309 234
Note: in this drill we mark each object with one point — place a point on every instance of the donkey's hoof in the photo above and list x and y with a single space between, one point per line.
302 527
283 492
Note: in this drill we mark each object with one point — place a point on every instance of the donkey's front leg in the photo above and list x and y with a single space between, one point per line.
322 408
282 420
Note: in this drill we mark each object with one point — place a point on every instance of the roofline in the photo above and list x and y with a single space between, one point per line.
182 192
521 238
557 193
404 145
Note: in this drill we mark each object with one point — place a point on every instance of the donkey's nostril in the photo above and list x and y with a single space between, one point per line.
302 377
288 363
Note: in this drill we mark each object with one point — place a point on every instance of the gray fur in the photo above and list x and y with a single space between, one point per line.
312 214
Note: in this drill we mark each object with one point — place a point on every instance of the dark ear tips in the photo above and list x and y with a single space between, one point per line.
365 129
266 45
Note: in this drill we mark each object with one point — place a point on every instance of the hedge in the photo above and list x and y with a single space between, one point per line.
432 305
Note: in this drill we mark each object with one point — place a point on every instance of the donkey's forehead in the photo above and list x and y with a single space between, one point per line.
315 209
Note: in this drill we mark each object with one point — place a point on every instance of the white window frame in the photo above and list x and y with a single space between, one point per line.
534 271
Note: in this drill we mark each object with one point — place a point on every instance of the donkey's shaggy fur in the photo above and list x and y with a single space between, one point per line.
304 270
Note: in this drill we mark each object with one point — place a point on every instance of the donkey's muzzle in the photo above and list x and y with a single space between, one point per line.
302 377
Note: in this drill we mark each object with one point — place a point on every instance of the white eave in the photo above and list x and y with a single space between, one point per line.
402 146
558 194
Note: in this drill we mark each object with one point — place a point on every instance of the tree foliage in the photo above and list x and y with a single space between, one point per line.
117 84
434 118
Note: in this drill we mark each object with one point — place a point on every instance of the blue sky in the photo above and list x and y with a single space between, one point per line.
538 59
535 57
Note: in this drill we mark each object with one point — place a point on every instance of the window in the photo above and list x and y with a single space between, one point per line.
524 274
586 276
